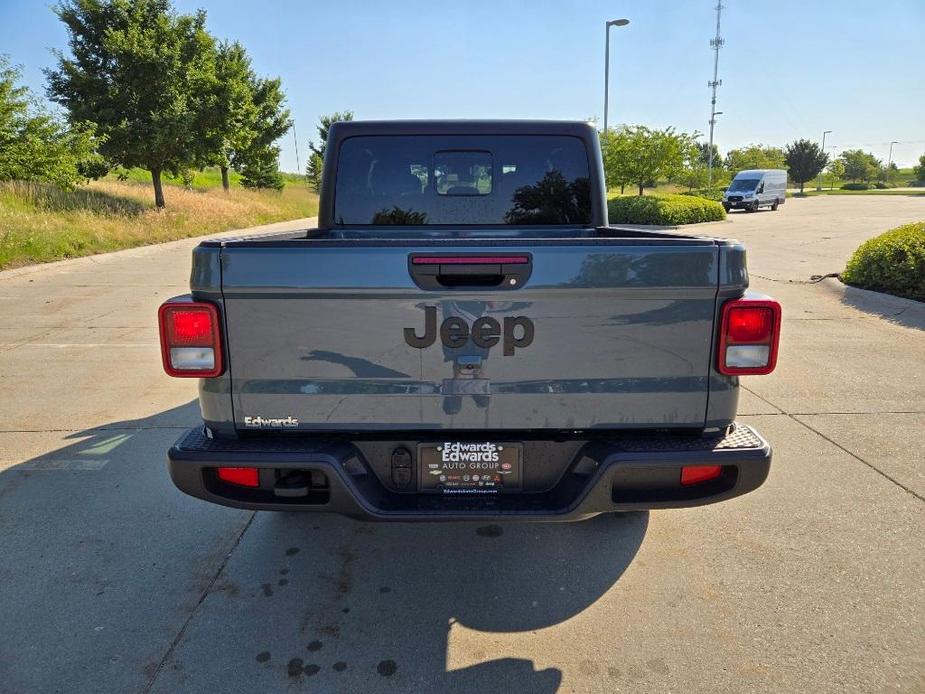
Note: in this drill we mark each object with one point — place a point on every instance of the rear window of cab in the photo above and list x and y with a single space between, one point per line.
462 180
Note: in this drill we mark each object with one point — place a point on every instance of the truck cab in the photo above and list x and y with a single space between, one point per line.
465 336
756 188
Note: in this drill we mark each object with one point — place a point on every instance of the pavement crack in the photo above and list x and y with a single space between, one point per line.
813 279
860 459
873 467
179 637
764 400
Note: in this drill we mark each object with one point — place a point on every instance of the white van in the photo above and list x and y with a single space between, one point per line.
756 188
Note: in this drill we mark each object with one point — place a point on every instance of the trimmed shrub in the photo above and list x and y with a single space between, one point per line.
664 210
715 194
855 186
893 262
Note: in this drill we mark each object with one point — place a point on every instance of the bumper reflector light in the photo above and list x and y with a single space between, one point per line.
695 474
242 476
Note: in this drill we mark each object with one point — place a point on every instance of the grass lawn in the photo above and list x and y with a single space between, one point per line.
202 180
40 223
873 191
901 179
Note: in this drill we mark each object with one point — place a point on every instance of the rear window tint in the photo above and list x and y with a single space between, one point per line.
462 179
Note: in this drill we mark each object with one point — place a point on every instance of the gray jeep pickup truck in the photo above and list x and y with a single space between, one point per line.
465 337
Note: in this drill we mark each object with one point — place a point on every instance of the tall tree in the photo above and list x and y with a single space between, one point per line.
231 120
836 170
694 175
860 165
316 158
805 160
37 146
888 174
704 151
143 74
754 157
614 151
261 169
919 171
643 155
258 162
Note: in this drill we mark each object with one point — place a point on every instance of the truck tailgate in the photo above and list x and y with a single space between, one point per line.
326 335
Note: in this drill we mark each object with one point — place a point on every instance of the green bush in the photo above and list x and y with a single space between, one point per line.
882 185
893 262
665 210
855 186
715 194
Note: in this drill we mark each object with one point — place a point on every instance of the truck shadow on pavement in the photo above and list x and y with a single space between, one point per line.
439 607
287 600
905 312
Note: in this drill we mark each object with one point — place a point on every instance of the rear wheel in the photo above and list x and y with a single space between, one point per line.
774 205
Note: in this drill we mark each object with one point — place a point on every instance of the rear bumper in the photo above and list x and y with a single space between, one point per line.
608 474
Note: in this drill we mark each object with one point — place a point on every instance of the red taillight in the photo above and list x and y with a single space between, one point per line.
749 325
191 327
749 336
242 476
695 474
190 343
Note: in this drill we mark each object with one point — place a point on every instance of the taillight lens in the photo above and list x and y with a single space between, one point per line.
190 344
749 336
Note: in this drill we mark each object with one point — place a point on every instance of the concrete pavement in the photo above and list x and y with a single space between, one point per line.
113 581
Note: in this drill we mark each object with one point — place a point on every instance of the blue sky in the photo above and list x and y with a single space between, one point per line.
790 69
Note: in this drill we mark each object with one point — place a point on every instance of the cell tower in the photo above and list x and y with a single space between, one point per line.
715 44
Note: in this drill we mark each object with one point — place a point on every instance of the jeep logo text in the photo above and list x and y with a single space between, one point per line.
485 332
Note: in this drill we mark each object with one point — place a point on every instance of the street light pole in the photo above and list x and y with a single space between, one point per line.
824 133
615 23
890 159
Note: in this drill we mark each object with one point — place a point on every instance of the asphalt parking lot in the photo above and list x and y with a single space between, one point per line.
113 581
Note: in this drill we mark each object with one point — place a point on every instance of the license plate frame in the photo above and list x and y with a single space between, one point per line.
470 467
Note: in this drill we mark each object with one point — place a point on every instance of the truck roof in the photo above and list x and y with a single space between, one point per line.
343 129
759 172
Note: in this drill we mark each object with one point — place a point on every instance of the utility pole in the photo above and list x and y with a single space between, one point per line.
295 139
715 44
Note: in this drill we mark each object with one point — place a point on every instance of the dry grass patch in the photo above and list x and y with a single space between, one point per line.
40 223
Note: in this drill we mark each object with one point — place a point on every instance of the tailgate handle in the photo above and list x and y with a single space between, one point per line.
470 271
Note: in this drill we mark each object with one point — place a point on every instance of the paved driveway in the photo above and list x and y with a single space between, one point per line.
111 580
